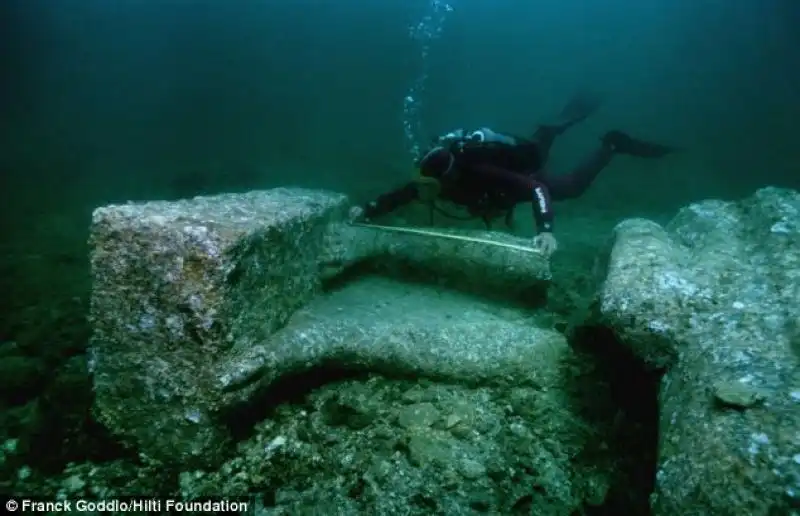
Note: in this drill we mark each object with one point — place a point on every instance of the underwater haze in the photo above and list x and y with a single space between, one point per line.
142 99
114 101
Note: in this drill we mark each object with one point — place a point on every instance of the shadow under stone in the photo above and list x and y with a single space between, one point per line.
634 393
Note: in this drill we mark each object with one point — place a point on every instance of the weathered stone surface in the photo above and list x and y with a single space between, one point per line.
714 299
468 266
430 447
175 286
182 291
395 328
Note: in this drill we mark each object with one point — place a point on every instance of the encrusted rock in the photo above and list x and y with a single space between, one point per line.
420 415
511 269
738 394
713 299
471 468
395 328
188 296
176 286
386 468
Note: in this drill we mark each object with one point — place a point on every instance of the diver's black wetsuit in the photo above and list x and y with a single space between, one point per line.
488 177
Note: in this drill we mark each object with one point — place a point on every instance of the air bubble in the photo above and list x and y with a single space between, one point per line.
425 31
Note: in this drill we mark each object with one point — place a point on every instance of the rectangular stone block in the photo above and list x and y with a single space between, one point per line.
176 285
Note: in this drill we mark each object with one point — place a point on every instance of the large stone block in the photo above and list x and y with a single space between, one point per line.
713 299
176 285
186 294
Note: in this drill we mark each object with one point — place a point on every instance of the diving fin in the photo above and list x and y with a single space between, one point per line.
624 144
580 106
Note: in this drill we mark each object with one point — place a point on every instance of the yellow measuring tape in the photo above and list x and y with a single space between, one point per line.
436 234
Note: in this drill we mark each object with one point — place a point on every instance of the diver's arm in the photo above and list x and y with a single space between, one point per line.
542 208
391 201
526 189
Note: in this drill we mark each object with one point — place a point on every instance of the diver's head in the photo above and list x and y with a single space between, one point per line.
437 163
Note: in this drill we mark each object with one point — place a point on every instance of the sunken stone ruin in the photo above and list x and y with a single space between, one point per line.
202 308
713 299
425 393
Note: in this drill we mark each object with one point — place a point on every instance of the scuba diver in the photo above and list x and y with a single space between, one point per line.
489 173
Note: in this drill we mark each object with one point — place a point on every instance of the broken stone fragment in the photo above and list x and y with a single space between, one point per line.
470 468
738 394
419 415
427 446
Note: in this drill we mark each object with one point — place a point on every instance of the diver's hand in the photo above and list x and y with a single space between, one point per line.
357 214
546 243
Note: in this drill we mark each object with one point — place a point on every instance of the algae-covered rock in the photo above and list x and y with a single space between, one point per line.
713 299
187 298
175 285
738 394
203 307
502 462
498 415
387 326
